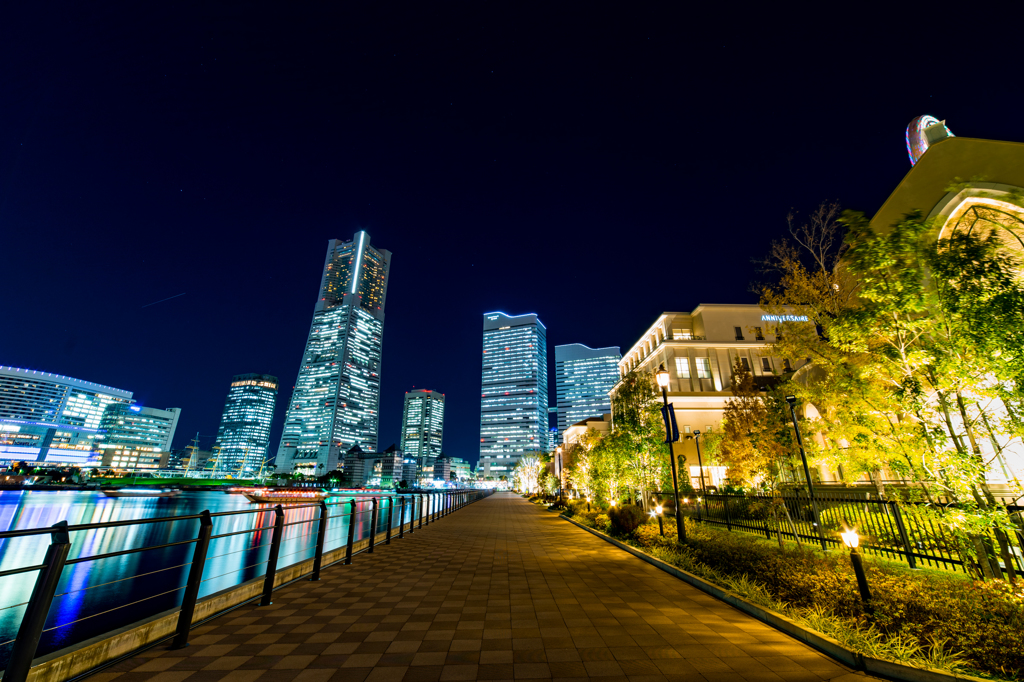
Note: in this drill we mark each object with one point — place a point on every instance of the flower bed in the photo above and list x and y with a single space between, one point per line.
922 617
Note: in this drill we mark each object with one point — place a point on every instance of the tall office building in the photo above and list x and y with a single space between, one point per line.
423 426
244 432
136 437
334 404
583 379
514 395
46 417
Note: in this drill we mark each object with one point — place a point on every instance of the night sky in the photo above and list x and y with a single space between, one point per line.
595 166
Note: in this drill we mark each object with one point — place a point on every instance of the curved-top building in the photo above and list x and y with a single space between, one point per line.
47 417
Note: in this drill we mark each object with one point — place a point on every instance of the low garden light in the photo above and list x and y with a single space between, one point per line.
661 519
852 540
612 503
589 500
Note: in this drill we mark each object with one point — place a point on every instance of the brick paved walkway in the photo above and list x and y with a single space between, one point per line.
499 590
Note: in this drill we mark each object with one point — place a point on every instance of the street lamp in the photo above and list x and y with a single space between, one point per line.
671 435
791 399
852 540
558 451
700 465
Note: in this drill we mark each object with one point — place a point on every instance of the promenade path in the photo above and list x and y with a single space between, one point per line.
501 589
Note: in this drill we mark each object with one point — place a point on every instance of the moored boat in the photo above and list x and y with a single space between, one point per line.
141 491
280 496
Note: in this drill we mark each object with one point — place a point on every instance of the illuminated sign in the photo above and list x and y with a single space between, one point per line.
784 318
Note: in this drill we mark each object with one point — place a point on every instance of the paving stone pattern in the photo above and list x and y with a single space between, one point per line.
499 590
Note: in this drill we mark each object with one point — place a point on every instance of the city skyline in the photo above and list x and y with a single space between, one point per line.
584 377
207 166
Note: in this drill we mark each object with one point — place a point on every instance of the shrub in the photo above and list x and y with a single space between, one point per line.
627 518
601 521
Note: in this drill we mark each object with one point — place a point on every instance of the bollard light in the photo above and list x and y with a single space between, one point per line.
613 503
852 540
661 519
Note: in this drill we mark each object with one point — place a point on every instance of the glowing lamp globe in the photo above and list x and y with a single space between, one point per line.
850 538
662 376
658 509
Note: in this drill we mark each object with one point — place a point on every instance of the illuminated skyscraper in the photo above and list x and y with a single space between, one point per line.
423 426
334 404
583 379
244 432
135 437
514 400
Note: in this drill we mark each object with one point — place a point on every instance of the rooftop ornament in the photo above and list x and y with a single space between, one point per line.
918 140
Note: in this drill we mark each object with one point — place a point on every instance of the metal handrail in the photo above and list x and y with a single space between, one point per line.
50 570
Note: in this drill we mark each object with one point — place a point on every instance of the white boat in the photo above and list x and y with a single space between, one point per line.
141 491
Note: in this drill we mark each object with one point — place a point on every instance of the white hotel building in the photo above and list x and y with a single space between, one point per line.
700 349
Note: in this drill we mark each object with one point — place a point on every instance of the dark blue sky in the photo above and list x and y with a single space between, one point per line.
595 166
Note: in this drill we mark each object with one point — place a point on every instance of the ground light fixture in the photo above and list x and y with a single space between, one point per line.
671 435
852 540
658 511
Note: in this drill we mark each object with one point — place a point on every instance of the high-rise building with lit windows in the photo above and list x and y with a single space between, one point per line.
52 418
514 393
423 426
134 437
584 377
334 404
244 432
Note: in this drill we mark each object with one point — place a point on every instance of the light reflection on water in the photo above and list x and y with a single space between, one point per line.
97 592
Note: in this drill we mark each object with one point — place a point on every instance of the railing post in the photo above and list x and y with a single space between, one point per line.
907 549
728 519
275 551
195 579
373 525
351 532
391 518
31 630
422 507
321 537
412 513
401 520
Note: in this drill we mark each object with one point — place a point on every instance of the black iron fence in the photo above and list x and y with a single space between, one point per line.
903 531
328 526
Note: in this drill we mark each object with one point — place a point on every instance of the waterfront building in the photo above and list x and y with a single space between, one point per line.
133 437
244 432
334 404
423 425
50 418
461 468
514 391
584 378
373 469
700 350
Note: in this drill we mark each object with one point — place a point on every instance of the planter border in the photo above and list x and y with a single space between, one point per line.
817 640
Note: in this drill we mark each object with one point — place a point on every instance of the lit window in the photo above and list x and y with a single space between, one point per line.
683 367
682 335
708 429
703 368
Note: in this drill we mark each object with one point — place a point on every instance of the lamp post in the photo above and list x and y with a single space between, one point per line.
700 465
558 451
671 435
791 399
852 540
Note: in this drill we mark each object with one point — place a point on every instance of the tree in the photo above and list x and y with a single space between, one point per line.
638 435
526 474
757 436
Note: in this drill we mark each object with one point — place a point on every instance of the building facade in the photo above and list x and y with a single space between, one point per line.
700 350
52 419
514 391
334 405
584 378
244 432
423 423
133 437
